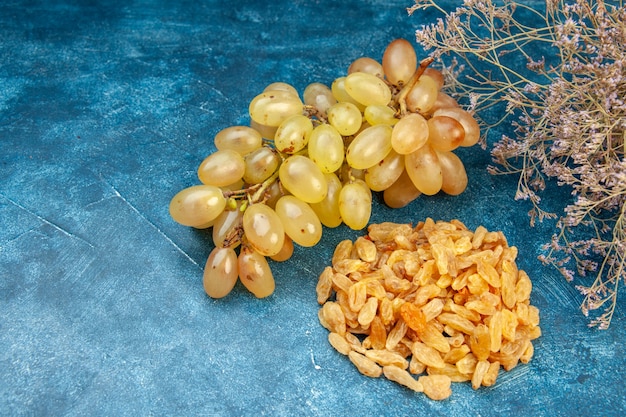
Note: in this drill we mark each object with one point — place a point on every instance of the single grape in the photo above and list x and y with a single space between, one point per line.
227 228
453 173
380 176
369 147
368 65
424 169
222 168
338 88
443 101
327 210
401 192
319 96
293 134
285 252
197 206
267 132
271 108
255 273
263 229
380 115
220 272
423 95
436 75
445 133
409 134
242 139
281 86
326 148
260 165
367 89
302 178
469 123
299 220
355 204
399 62
345 117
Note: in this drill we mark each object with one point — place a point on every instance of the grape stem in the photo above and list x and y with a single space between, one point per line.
401 97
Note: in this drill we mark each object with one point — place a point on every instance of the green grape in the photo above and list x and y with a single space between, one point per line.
266 132
319 96
338 88
423 95
409 134
355 204
367 89
470 125
293 134
241 139
299 220
271 108
220 272
368 65
227 228
260 165
327 210
326 148
399 62
255 273
345 117
285 252
197 206
263 229
222 168
445 133
424 169
401 192
369 147
381 175
454 176
302 178
380 115
281 86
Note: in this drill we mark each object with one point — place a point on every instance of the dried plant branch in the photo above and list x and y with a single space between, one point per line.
568 113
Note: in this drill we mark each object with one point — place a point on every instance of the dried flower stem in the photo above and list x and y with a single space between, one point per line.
568 112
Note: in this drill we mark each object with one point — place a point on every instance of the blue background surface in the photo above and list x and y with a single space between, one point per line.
106 110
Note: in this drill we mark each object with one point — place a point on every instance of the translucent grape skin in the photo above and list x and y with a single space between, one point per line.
293 134
469 123
355 204
424 170
399 61
272 107
402 192
260 164
227 229
220 272
345 117
409 134
367 89
380 176
327 210
454 176
302 178
338 88
263 229
197 206
445 133
423 95
285 252
222 168
242 139
319 96
380 115
255 273
299 220
369 147
326 148
366 64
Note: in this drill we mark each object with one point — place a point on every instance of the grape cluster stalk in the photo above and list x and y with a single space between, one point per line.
313 161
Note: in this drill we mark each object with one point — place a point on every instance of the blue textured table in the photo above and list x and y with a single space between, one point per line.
105 113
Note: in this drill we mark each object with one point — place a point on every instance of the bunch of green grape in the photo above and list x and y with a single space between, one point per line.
313 161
